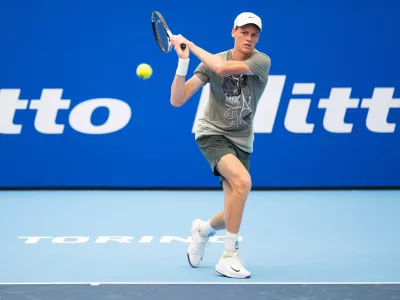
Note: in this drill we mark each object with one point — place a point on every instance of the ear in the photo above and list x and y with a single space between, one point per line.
233 31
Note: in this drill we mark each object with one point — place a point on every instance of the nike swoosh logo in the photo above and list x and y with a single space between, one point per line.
235 270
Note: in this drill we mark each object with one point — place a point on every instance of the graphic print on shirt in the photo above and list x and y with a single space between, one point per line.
237 100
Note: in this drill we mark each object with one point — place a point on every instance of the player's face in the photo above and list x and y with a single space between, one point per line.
246 37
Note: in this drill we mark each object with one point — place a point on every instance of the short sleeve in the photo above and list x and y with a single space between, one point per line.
260 64
203 72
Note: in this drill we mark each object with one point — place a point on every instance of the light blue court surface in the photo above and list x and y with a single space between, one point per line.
288 237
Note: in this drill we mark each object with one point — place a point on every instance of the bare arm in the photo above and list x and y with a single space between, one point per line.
181 91
217 64
213 62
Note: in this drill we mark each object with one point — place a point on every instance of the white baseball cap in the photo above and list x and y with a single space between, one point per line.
247 18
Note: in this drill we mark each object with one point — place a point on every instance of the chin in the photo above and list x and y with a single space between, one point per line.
247 50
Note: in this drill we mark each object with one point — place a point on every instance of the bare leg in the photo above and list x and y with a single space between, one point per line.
236 192
218 221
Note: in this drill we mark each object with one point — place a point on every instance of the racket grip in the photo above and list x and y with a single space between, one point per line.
183 46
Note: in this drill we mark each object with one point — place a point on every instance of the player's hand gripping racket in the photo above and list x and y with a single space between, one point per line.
162 32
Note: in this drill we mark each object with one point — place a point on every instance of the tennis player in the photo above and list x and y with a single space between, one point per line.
225 135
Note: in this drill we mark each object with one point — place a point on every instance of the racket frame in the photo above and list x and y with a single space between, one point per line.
168 31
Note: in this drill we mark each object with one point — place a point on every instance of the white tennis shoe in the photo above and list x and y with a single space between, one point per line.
231 265
197 246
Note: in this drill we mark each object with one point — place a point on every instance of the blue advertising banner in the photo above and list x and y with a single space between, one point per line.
73 113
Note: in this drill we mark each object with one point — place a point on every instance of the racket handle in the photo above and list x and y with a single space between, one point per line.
183 46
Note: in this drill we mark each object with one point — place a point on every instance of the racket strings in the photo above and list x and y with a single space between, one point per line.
161 35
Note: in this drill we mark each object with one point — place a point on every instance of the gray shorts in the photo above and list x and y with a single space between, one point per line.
213 147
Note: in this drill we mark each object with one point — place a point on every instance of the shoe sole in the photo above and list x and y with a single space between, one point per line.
191 232
189 261
223 274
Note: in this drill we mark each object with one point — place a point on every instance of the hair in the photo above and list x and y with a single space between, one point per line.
237 27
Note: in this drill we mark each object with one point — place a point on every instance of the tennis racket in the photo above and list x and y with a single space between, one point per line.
162 33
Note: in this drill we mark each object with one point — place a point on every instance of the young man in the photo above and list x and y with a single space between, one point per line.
237 79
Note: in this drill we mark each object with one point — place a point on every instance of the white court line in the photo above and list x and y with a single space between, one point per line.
197 283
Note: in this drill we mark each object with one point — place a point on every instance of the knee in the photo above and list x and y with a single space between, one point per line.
242 184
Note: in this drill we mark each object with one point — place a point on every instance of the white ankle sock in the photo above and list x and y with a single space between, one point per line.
232 242
206 229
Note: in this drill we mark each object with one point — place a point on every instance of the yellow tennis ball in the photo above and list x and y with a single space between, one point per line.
144 71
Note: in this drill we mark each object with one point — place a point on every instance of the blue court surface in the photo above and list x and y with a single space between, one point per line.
132 245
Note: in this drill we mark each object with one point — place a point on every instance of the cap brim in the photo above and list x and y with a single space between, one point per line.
250 23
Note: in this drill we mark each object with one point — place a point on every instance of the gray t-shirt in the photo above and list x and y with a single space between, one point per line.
233 100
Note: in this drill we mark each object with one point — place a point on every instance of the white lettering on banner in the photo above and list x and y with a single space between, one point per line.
378 109
118 239
34 239
169 239
335 106
269 106
146 239
9 104
70 240
48 106
119 116
297 112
